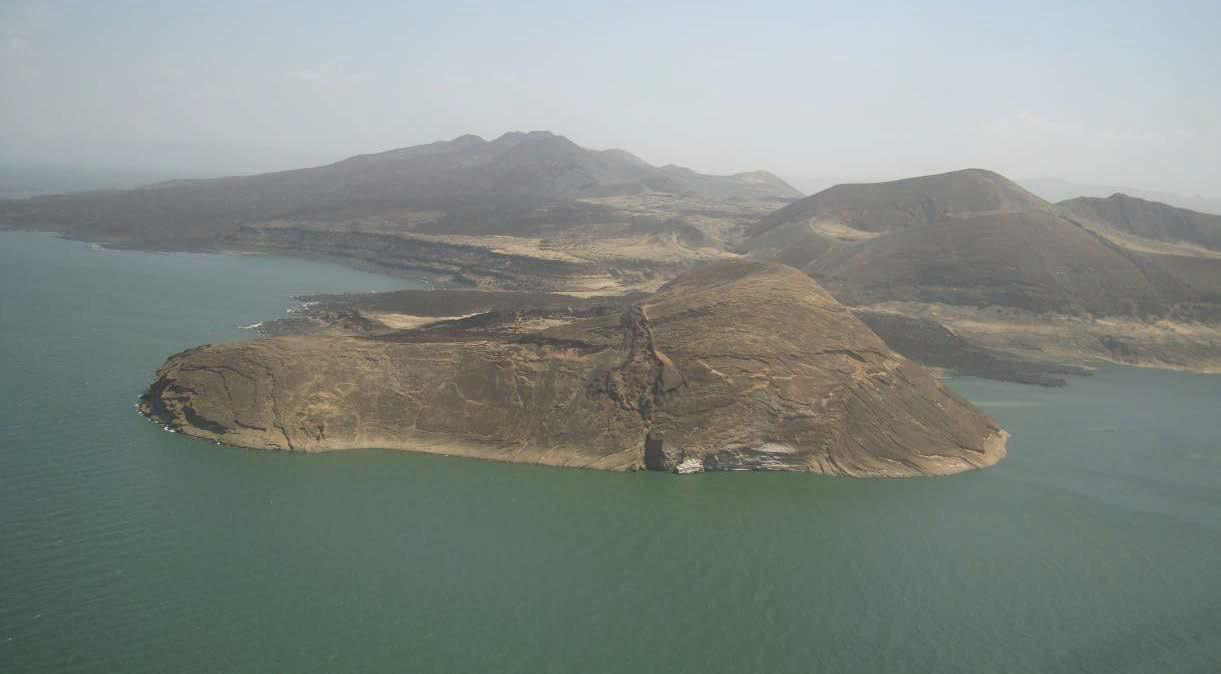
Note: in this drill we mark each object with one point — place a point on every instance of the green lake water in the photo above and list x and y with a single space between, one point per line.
1095 547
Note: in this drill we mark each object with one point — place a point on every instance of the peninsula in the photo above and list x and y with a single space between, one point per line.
733 365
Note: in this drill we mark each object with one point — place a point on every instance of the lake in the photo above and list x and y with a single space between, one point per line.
1094 547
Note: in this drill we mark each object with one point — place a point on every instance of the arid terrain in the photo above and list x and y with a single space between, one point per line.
979 263
964 271
527 211
736 365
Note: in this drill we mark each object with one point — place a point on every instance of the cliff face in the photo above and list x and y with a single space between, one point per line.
736 365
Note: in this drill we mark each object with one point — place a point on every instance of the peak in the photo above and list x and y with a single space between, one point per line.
533 141
936 183
973 174
979 171
518 136
910 202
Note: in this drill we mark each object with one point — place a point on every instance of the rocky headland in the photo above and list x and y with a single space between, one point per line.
734 365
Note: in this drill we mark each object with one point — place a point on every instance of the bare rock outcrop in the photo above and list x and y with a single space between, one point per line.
735 365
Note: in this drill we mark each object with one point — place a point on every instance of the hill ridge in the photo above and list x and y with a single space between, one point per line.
515 171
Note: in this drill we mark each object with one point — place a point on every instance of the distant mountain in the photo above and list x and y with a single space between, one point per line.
467 177
1056 189
1149 219
971 238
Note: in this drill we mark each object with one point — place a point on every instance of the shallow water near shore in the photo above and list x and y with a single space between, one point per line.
1094 547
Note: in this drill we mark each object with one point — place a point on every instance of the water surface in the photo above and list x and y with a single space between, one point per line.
1095 547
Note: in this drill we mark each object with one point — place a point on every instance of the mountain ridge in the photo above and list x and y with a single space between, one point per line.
515 171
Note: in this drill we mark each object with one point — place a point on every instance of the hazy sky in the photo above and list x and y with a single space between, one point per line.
1118 92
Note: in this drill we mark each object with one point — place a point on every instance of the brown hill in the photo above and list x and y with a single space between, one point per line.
1002 283
968 238
735 365
805 229
1034 261
899 204
1148 220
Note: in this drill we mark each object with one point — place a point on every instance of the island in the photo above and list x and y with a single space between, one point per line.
734 365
